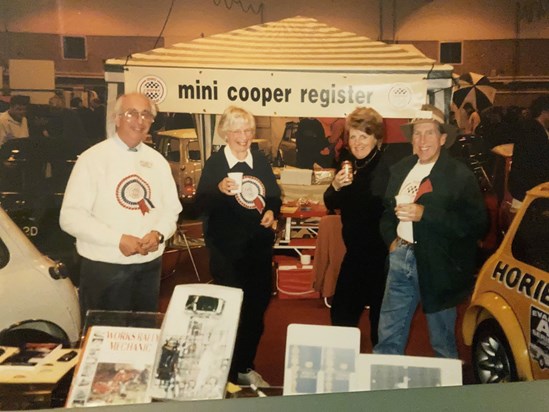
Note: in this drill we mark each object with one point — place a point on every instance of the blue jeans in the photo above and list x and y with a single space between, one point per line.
399 305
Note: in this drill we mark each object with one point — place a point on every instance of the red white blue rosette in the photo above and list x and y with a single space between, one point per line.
134 193
252 194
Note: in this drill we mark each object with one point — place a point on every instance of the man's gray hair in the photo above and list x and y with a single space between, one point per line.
120 101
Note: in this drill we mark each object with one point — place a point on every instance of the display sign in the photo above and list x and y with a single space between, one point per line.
278 93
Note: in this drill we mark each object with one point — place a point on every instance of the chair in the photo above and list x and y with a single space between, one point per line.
329 253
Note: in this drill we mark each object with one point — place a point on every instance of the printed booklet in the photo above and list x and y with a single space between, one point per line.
115 366
196 343
320 359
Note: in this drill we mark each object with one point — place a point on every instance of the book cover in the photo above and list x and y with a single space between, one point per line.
115 366
196 343
320 359
31 355
377 372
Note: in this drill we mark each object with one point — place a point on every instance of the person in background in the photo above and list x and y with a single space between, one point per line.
238 231
311 145
121 204
473 118
361 277
67 128
98 130
13 122
531 151
85 115
432 232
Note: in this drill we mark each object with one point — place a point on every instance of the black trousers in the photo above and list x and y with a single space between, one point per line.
111 286
361 283
250 270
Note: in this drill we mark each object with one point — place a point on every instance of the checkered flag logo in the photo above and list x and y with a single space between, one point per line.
400 95
153 87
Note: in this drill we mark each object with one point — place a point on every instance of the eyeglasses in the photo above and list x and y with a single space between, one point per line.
245 132
134 115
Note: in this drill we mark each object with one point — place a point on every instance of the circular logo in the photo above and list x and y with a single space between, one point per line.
133 192
400 95
153 87
252 194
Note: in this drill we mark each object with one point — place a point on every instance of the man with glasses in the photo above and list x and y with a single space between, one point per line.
120 204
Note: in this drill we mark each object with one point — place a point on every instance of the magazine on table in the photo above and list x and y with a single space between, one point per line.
377 372
115 366
320 359
196 343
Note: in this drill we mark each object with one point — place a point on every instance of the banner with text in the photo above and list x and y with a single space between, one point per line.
278 93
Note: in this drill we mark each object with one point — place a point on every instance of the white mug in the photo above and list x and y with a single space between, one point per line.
305 259
237 177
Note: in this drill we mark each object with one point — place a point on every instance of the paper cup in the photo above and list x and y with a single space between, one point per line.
404 199
305 259
237 177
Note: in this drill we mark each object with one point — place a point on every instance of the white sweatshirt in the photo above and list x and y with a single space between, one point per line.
113 191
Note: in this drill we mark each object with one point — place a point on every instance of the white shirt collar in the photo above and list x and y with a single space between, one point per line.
232 160
124 146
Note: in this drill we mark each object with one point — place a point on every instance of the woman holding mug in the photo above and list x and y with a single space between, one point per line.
359 195
239 212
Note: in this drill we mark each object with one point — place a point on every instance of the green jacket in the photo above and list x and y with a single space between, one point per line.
454 219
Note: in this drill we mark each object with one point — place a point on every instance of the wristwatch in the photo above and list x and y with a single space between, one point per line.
160 237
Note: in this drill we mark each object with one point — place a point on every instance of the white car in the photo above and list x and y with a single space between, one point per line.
37 300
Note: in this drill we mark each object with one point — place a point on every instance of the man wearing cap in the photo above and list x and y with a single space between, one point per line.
434 215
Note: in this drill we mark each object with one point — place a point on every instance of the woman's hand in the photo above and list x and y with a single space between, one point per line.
268 219
341 180
227 185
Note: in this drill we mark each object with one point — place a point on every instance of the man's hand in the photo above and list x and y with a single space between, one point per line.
267 219
409 212
149 242
131 245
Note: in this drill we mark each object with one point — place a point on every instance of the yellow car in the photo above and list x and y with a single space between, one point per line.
507 322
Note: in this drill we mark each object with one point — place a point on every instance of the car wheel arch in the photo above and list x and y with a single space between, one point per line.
491 356
18 333
492 306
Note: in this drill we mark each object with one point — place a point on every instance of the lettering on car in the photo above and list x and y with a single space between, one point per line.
522 282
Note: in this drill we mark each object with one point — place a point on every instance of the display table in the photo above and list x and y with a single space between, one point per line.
530 396
300 218
313 193
37 387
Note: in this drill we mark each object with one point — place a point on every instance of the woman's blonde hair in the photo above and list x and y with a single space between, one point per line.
230 117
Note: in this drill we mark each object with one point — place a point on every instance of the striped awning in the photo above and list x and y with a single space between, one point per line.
297 43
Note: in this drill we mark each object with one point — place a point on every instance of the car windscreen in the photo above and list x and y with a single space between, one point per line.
532 236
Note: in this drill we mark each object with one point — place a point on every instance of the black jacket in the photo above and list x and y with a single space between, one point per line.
454 219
